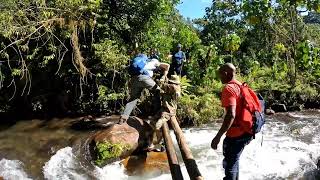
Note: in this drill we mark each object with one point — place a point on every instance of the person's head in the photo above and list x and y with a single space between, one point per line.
227 72
153 51
179 47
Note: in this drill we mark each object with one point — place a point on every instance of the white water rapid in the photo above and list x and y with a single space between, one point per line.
289 151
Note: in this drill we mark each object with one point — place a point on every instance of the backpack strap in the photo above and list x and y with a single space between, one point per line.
240 86
236 123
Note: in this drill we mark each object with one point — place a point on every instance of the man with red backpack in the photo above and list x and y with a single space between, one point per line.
244 117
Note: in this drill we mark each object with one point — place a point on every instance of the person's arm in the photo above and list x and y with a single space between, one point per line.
227 122
165 68
229 102
184 58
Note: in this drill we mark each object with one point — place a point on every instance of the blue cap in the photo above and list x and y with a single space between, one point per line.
179 45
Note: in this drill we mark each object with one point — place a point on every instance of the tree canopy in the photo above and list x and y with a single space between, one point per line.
73 54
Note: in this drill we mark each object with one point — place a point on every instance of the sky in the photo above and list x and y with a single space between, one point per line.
193 8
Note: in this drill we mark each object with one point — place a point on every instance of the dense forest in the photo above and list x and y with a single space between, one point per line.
70 57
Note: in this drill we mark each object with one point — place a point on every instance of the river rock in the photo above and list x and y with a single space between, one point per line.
92 123
149 163
279 107
269 112
297 107
119 141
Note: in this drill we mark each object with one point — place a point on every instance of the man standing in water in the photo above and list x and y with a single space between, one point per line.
236 138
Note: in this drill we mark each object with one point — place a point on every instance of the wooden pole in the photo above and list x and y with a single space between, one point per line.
171 153
188 159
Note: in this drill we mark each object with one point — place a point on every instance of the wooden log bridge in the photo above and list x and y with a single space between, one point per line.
186 153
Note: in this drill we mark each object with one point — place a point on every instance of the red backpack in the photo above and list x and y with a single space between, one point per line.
249 116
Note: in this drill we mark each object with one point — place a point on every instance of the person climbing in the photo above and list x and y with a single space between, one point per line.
141 71
238 135
178 58
170 92
154 54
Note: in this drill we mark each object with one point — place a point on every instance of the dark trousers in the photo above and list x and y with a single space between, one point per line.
232 149
176 69
137 84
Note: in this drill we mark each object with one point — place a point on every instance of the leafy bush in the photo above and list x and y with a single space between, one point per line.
106 151
199 109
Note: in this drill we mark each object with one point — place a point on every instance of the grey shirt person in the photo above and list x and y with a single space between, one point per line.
139 82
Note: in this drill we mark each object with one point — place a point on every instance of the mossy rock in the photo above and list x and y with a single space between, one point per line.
109 151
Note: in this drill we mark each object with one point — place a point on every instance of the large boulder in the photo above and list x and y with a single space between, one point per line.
119 141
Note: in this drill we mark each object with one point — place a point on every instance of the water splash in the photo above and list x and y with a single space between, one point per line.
12 170
64 165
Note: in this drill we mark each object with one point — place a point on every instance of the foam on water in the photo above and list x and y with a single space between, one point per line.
281 156
286 153
64 165
12 170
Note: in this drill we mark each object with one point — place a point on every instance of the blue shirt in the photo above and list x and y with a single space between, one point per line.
178 57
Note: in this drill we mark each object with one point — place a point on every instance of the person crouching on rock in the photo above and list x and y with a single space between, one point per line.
170 92
141 70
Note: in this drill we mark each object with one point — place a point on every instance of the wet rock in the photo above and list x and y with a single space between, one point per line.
279 107
297 107
119 141
318 164
91 123
155 163
270 112
313 103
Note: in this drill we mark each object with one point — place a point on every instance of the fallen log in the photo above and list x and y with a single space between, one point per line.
171 153
188 159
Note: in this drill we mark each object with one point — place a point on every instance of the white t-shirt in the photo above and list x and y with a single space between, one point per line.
151 66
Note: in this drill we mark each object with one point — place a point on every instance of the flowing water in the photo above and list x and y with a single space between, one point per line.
50 150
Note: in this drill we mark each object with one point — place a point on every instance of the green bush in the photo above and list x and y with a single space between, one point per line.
200 109
106 151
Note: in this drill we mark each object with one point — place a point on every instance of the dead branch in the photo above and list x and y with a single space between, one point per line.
22 39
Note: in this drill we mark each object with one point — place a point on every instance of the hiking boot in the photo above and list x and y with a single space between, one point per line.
123 119
155 148
160 123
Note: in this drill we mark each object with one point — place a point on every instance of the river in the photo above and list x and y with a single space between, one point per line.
288 148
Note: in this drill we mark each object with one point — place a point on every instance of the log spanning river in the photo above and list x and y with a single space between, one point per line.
51 150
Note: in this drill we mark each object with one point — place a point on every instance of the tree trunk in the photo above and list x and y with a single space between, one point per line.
171 153
188 159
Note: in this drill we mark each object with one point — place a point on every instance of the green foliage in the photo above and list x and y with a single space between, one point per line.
106 151
199 108
110 55
231 43
306 90
309 58
279 48
81 49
